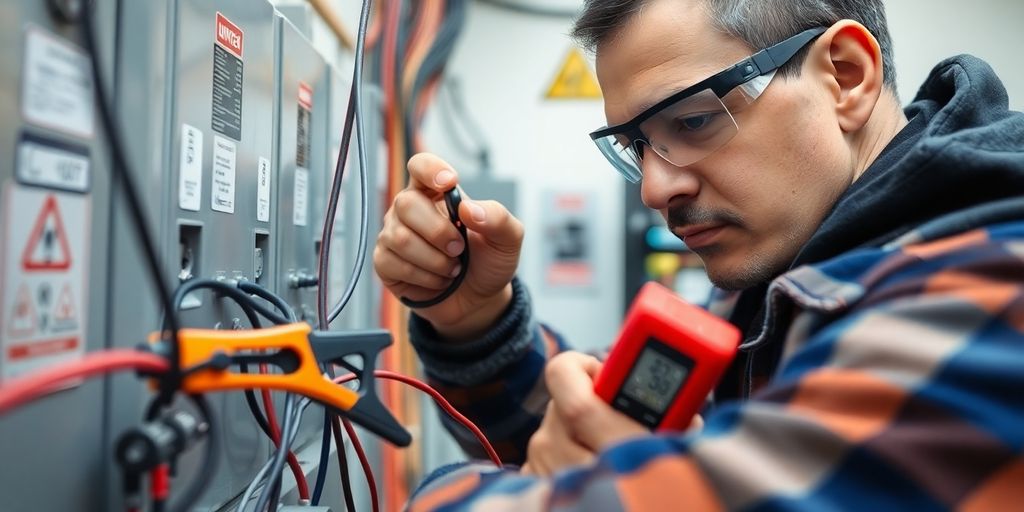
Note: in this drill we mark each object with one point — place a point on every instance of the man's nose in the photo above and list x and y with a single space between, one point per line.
663 181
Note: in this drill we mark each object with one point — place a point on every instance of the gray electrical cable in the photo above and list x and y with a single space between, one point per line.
249 491
364 215
281 455
291 422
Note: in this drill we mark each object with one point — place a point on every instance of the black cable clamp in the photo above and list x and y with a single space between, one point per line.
142 449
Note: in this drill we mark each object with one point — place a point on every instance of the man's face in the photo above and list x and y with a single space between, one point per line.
747 208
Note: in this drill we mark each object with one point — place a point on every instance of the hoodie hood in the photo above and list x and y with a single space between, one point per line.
966 149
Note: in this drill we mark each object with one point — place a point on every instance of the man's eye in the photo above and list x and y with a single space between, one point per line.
694 123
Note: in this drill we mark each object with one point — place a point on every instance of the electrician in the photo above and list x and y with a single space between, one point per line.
873 257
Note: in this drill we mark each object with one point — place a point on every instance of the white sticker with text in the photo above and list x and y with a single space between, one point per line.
190 169
223 196
263 191
301 206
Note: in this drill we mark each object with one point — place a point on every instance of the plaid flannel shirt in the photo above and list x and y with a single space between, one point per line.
901 387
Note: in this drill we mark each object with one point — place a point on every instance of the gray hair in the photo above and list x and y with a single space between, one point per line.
759 23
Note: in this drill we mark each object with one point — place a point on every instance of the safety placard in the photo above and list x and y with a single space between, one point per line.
45 259
575 80
190 169
303 130
223 196
228 72
300 197
57 87
569 255
51 164
263 191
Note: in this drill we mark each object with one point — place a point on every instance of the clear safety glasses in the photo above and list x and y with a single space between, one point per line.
694 122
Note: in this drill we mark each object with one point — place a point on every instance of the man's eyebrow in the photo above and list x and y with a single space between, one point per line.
669 91
659 98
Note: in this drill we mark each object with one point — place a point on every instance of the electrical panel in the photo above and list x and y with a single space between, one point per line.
197 99
231 125
301 122
54 206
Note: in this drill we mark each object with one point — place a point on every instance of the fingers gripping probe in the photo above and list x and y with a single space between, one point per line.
452 200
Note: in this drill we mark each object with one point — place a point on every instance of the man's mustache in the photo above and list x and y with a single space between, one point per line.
694 216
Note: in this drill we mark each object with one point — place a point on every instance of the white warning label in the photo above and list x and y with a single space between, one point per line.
42 316
263 191
50 164
190 169
223 199
301 197
57 88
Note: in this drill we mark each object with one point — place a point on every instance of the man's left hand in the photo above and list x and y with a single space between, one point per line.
578 423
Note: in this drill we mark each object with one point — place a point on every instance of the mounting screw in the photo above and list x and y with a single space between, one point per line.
302 280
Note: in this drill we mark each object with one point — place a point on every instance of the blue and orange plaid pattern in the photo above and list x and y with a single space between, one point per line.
901 387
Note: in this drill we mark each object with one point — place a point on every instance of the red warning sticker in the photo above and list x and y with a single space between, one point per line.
44 278
47 247
305 96
25 351
229 35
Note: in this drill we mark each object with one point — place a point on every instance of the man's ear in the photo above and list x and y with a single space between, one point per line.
851 62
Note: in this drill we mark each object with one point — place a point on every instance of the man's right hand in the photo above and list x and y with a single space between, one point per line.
417 250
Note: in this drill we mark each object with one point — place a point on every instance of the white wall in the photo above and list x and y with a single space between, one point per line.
506 62
927 31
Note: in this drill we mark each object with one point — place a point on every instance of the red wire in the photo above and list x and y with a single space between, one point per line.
15 392
275 431
18 391
371 482
440 400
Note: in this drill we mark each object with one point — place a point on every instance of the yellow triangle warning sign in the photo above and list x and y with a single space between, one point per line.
575 80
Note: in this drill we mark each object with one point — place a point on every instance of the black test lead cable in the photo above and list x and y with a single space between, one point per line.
452 200
125 177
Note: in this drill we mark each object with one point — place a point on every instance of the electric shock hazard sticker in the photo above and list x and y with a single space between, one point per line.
45 254
227 79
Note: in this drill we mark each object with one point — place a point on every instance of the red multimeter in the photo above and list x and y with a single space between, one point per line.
669 356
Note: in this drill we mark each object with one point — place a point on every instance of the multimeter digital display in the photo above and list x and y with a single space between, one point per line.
669 356
653 382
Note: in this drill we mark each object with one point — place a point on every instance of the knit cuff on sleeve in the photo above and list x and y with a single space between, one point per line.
475 362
